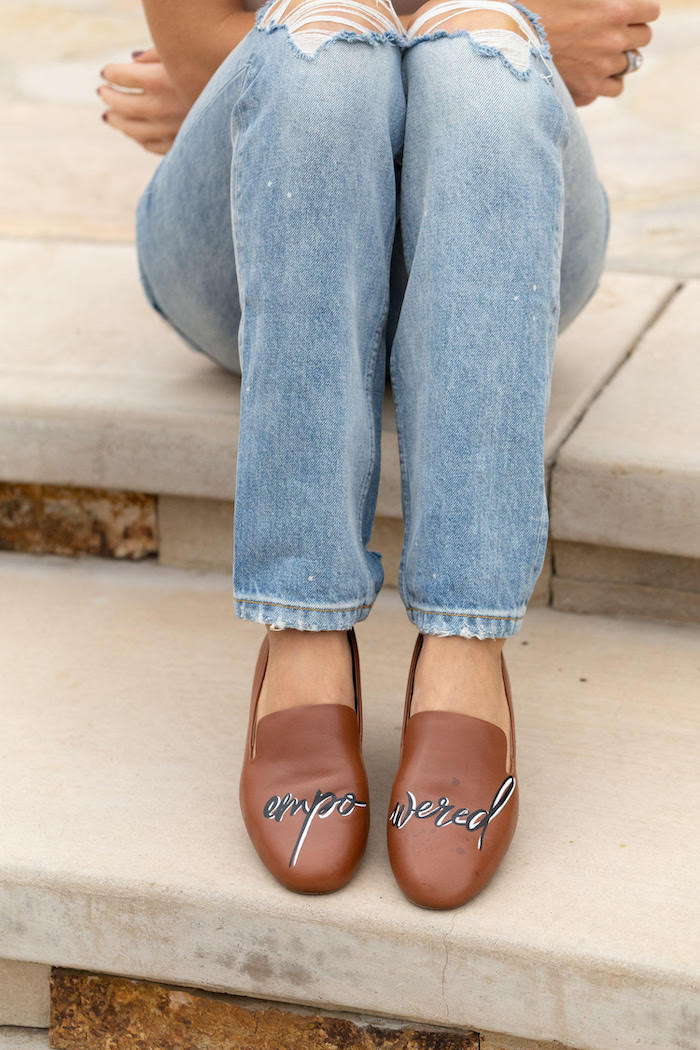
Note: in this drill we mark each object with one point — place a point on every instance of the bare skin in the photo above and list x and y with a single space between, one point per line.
306 667
466 20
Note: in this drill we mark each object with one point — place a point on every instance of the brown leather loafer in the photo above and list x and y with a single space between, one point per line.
454 803
303 788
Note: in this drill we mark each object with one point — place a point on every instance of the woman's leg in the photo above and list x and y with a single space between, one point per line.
504 224
264 239
484 204
314 214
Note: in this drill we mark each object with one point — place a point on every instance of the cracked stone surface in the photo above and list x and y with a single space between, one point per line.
123 1014
54 519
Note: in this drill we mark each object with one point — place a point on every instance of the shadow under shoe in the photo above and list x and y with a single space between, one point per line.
303 789
454 803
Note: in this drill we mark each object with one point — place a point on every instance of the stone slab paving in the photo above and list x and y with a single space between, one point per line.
38 1039
12 1038
647 149
629 475
122 849
24 993
71 176
109 396
66 174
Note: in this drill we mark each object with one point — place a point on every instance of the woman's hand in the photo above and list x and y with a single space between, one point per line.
152 110
588 37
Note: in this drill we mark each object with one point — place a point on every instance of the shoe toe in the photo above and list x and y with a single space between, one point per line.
453 809
304 797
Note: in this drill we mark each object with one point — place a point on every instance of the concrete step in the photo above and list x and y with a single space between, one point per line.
98 393
122 850
625 492
97 390
629 476
19 1038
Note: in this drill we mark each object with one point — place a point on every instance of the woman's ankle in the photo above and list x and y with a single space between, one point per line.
462 675
307 667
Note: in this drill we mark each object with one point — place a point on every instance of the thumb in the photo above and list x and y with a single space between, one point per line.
149 55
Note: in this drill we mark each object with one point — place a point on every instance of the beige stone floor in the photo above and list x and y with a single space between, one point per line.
66 174
134 749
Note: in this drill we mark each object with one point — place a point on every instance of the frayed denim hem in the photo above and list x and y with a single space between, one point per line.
465 625
300 617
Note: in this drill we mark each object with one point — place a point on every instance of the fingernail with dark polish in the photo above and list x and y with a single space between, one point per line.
135 54
104 116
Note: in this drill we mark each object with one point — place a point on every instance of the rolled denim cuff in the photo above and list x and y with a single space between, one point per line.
467 625
300 617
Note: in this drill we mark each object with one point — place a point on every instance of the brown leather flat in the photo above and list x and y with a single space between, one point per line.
303 788
454 803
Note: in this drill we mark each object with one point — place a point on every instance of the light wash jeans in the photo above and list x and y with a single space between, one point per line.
421 207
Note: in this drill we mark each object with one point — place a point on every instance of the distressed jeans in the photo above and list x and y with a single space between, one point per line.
368 206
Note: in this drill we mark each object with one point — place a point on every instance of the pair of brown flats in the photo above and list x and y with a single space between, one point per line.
305 799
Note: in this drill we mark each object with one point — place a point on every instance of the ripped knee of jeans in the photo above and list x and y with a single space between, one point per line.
311 24
494 27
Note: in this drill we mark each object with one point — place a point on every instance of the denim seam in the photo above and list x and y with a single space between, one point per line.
234 199
224 87
146 284
148 287
405 509
305 608
369 398
542 530
465 615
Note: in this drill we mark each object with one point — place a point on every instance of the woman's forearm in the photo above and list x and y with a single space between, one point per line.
192 40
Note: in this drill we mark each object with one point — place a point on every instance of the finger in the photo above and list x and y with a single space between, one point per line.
612 86
141 130
131 74
646 10
637 36
619 69
149 55
142 105
130 104
157 146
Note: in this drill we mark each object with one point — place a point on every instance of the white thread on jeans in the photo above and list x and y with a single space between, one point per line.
452 7
518 54
381 19
516 50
